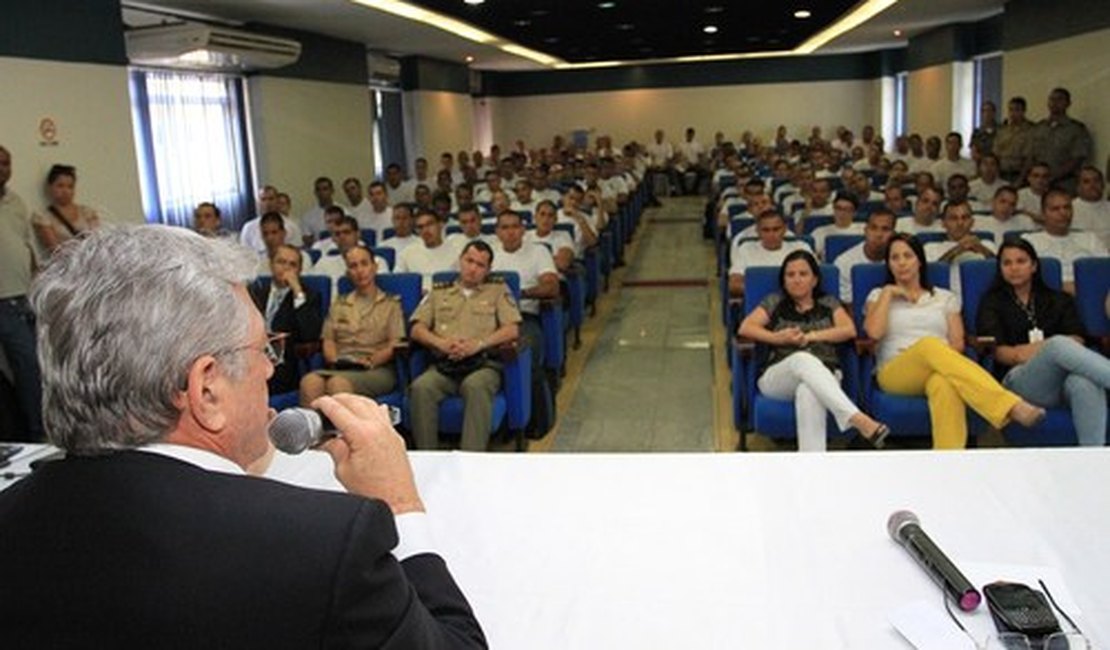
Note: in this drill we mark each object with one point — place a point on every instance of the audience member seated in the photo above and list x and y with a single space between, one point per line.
859 186
1039 352
539 279
360 335
894 199
359 207
470 220
957 191
289 309
817 204
273 236
924 217
844 214
459 322
952 162
1060 241
562 246
982 189
403 235
920 337
397 187
208 222
872 250
430 255
345 237
1090 209
769 250
1004 217
801 326
960 243
250 235
585 227
315 220
63 219
333 217
1031 196
381 214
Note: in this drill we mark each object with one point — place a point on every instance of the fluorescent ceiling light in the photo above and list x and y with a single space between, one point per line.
802 13
858 16
709 29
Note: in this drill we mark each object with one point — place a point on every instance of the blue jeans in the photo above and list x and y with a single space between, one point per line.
1065 371
17 336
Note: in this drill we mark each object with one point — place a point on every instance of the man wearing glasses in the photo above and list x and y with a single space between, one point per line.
291 312
148 533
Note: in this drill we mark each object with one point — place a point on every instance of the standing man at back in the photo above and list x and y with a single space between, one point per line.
17 323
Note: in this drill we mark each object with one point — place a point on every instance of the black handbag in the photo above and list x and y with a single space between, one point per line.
457 369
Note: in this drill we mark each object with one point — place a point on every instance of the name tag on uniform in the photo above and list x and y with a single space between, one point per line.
1036 335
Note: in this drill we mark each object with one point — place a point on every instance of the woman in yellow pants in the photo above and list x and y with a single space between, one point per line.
921 338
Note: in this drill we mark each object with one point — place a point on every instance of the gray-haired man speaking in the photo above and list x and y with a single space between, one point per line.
149 534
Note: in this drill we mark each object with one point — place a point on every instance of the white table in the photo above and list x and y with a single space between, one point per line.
704 551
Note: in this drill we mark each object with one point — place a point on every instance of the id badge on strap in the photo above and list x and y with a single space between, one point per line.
1036 335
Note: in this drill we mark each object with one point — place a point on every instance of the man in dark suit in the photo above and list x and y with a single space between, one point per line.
149 534
289 308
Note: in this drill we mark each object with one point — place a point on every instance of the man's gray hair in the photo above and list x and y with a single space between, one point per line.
122 315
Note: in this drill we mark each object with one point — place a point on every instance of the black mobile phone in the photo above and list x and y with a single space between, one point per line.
1018 608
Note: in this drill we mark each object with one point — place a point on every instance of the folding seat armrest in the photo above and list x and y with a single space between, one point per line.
509 350
982 345
866 346
743 344
307 350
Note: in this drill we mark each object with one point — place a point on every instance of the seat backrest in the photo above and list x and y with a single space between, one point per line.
809 224
386 254
512 278
866 277
388 232
406 286
1092 281
762 280
976 277
320 284
369 237
314 254
837 244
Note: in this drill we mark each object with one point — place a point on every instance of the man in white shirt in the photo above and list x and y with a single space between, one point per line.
769 250
917 161
817 204
1091 210
1029 198
1060 241
952 163
690 158
876 235
924 218
381 214
403 235
420 174
560 242
313 222
524 200
273 235
1004 217
332 264
332 217
470 220
861 188
360 208
494 183
585 224
982 189
894 199
398 189
431 255
960 245
660 160
540 189
250 235
844 223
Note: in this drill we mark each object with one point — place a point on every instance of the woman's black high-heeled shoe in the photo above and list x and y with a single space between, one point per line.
876 441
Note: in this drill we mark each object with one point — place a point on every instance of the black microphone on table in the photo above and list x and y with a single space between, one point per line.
297 429
905 528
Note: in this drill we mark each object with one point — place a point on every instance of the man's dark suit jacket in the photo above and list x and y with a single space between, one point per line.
303 325
138 550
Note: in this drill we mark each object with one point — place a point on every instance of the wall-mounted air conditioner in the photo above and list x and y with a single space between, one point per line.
384 70
206 47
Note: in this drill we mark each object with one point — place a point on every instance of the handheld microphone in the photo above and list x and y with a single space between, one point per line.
296 429
905 528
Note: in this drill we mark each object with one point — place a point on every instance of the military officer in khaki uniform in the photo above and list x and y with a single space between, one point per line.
1012 142
362 329
457 321
1060 142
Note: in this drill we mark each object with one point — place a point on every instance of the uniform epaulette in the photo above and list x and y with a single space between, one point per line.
392 296
494 279
446 284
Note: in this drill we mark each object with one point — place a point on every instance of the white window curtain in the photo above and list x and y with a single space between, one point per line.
190 135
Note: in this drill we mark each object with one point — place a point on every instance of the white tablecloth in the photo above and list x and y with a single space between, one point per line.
699 551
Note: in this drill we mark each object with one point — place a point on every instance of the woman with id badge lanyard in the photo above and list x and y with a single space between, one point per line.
1039 352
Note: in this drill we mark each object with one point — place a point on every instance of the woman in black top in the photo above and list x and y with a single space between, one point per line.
802 326
1039 352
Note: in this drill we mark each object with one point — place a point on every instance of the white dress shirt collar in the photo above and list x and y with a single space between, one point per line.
201 458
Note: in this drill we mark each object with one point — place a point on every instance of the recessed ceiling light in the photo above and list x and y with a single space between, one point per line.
715 9
709 29
523 22
802 13
551 39
539 12
625 27
606 5
897 32
474 2
469 59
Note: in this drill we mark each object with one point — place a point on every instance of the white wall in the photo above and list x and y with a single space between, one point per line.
635 114
91 107
305 129
435 122
929 99
1082 65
